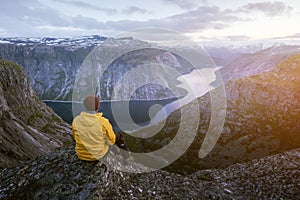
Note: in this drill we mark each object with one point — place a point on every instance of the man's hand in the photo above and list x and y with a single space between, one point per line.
120 141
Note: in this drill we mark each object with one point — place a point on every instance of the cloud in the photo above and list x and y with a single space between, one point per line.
268 8
237 37
84 5
294 36
202 18
188 21
86 22
109 11
186 4
32 12
133 9
32 18
297 35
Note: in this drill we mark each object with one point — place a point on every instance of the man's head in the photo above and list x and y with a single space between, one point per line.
91 103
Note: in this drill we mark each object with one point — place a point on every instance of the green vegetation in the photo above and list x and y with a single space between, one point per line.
55 118
33 117
5 63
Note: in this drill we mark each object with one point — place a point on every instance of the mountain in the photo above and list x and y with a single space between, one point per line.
61 175
28 128
224 55
262 118
70 43
254 63
51 64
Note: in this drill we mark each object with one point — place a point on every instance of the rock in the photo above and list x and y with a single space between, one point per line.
28 128
61 175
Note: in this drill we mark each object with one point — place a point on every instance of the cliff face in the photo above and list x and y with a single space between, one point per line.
28 128
50 69
131 69
262 119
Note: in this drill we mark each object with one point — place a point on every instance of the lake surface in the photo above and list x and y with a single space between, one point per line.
138 109
195 83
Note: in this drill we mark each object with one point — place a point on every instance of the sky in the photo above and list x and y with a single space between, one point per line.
201 20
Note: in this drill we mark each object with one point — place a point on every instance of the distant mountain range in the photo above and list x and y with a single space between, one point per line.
254 63
72 43
51 64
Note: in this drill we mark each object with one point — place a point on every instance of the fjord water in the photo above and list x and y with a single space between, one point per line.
138 109
144 112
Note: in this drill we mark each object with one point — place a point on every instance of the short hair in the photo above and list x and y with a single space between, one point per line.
91 103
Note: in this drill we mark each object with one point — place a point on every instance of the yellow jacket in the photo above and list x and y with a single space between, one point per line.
93 135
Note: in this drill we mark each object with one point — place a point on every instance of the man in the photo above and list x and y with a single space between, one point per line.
93 133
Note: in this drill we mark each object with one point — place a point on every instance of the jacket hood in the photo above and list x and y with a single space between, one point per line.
88 119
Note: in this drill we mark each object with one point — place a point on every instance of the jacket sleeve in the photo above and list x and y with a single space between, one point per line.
108 131
110 134
73 129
